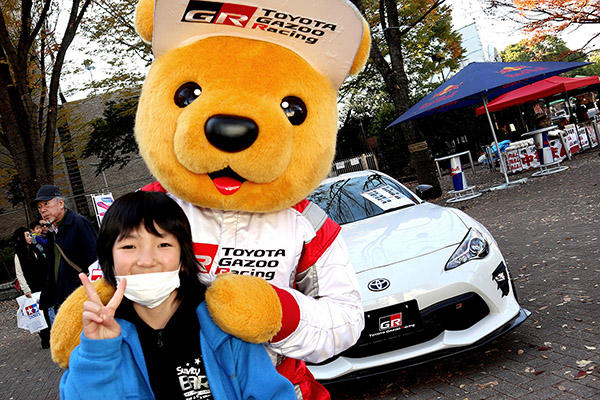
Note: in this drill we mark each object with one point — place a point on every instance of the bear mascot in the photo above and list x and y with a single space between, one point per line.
237 121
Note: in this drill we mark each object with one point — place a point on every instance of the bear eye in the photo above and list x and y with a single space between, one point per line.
187 93
294 109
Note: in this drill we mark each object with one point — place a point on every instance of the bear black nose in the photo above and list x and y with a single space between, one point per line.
231 134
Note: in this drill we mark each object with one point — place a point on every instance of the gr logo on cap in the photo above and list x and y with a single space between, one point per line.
327 34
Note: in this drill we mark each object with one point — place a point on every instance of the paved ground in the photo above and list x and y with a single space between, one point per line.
549 231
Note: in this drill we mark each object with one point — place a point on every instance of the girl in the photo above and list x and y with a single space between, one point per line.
30 263
31 268
159 341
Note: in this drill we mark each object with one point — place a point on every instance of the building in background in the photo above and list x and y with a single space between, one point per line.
475 49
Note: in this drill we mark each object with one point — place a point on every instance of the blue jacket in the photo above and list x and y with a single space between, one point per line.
116 369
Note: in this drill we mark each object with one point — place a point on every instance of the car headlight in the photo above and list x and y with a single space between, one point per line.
473 246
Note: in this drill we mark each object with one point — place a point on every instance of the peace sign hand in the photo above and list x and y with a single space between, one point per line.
98 319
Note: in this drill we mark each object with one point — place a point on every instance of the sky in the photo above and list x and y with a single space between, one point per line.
503 33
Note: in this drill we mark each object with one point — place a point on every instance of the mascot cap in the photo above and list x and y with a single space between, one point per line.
326 33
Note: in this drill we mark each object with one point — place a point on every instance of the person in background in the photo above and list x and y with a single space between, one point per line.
541 115
71 247
580 110
31 267
159 342
45 225
37 238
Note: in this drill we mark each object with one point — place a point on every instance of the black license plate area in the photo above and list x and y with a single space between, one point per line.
392 321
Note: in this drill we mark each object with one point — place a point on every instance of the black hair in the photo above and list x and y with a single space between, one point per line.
130 211
18 238
33 224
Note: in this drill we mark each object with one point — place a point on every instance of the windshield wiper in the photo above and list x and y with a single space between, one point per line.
397 208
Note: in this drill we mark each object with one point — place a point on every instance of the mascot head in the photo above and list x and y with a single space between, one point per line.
239 110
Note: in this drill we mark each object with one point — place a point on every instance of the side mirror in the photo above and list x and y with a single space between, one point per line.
425 192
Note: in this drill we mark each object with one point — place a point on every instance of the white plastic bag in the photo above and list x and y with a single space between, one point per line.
29 315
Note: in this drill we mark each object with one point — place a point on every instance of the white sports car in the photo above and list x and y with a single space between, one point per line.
433 280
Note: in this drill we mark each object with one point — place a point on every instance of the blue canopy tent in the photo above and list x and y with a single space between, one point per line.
480 82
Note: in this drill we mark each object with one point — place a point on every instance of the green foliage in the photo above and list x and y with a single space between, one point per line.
429 48
592 69
112 140
363 94
110 36
551 48
385 115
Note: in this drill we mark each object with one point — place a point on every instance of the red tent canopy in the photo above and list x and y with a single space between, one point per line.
538 90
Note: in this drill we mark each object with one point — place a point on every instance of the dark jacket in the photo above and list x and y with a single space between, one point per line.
33 266
77 238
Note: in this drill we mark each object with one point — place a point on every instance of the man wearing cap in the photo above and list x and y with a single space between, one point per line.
71 246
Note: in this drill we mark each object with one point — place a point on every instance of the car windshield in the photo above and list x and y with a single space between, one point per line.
361 197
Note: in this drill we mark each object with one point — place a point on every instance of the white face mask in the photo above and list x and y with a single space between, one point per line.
150 290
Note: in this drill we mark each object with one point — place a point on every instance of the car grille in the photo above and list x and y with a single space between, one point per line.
454 314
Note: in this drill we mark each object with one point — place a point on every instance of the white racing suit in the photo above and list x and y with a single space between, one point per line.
299 251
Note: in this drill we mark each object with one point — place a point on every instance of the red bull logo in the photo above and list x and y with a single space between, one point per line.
446 93
520 70
511 69
447 90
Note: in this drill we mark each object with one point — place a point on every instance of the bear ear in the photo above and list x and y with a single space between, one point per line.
144 19
363 51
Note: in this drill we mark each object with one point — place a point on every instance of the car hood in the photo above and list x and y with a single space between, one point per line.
402 235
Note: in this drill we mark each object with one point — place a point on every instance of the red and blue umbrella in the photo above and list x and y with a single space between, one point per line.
479 82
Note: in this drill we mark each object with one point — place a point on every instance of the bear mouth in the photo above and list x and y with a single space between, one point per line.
227 181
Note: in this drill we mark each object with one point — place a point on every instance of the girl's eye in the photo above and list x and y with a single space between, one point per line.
127 246
295 109
165 244
187 93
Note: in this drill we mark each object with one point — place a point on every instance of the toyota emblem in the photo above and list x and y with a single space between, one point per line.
379 284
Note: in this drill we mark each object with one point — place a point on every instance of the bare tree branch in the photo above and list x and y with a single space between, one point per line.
435 5
41 21
74 18
5 42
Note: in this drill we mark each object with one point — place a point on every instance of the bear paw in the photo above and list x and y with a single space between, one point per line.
245 307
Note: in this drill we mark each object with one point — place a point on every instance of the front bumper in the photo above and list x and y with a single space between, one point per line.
492 309
360 368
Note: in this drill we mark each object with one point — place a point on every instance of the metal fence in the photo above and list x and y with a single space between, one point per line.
359 163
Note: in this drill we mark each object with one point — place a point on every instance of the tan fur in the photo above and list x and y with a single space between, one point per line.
67 327
144 19
244 306
285 163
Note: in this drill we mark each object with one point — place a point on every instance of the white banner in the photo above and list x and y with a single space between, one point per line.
529 158
558 153
583 138
571 139
592 135
514 161
101 204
